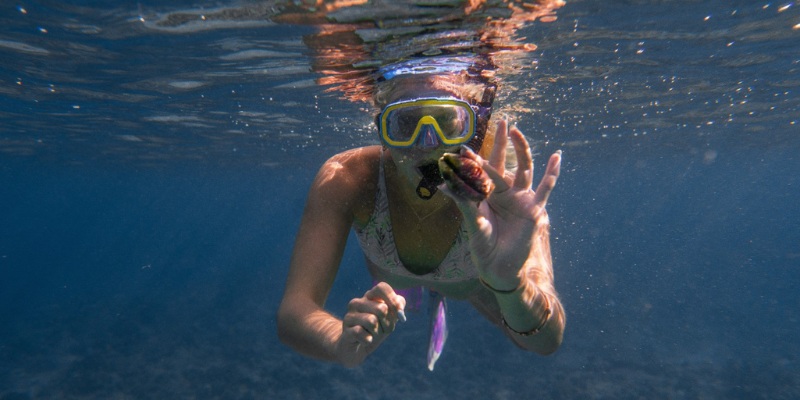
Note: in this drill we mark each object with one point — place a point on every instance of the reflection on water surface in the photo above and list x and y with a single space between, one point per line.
224 84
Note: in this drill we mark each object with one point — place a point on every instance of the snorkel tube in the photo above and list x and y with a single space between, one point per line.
431 179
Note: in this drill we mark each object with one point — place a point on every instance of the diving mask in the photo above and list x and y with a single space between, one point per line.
452 121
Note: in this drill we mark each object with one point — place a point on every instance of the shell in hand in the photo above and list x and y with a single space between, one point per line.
464 176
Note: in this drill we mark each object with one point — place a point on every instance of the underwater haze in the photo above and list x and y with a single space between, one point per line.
154 163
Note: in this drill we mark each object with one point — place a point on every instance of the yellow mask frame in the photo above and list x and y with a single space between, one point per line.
387 122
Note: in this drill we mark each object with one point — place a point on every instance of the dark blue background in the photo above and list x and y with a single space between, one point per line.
678 270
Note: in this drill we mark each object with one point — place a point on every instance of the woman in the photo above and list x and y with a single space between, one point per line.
493 253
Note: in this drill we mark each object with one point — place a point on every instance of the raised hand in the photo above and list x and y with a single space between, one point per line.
502 228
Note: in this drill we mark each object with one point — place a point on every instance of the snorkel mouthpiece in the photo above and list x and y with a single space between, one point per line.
431 179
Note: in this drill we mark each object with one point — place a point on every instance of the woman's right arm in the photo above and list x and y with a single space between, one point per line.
303 324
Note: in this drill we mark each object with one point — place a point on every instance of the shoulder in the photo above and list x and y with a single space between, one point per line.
352 169
348 180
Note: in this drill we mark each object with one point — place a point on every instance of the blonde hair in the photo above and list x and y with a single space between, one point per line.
461 85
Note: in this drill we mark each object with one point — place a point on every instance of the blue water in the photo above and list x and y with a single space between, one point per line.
151 184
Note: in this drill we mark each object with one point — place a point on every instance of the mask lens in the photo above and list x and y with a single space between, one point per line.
401 122
453 122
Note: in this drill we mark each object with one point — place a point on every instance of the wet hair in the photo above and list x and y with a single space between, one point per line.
414 86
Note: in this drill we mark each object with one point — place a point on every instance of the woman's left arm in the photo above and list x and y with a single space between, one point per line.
510 243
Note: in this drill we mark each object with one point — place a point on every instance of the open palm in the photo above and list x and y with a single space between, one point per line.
502 228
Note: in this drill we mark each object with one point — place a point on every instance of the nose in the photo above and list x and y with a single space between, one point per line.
428 137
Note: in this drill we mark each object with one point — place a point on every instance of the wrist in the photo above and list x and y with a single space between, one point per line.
526 315
544 320
347 352
349 356
505 289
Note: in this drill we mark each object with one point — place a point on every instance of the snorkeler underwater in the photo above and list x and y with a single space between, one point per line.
247 199
433 205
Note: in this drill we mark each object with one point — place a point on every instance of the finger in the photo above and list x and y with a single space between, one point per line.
500 184
549 180
381 291
385 293
524 176
367 306
360 328
357 335
498 156
373 315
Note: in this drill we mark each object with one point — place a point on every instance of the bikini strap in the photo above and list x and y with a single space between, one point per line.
381 178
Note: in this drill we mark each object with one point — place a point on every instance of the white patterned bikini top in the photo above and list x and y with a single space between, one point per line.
377 243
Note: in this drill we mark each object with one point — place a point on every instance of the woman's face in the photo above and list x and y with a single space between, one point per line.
408 160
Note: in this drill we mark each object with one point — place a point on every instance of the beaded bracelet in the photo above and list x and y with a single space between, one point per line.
533 331
547 312
483 282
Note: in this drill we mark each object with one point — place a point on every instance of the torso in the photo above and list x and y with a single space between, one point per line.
423 240
412 242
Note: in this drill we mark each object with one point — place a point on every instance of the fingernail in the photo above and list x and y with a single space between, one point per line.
401 314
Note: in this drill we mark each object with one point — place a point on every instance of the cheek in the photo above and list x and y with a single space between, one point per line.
407 168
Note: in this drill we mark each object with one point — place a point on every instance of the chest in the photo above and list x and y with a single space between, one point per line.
423 242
